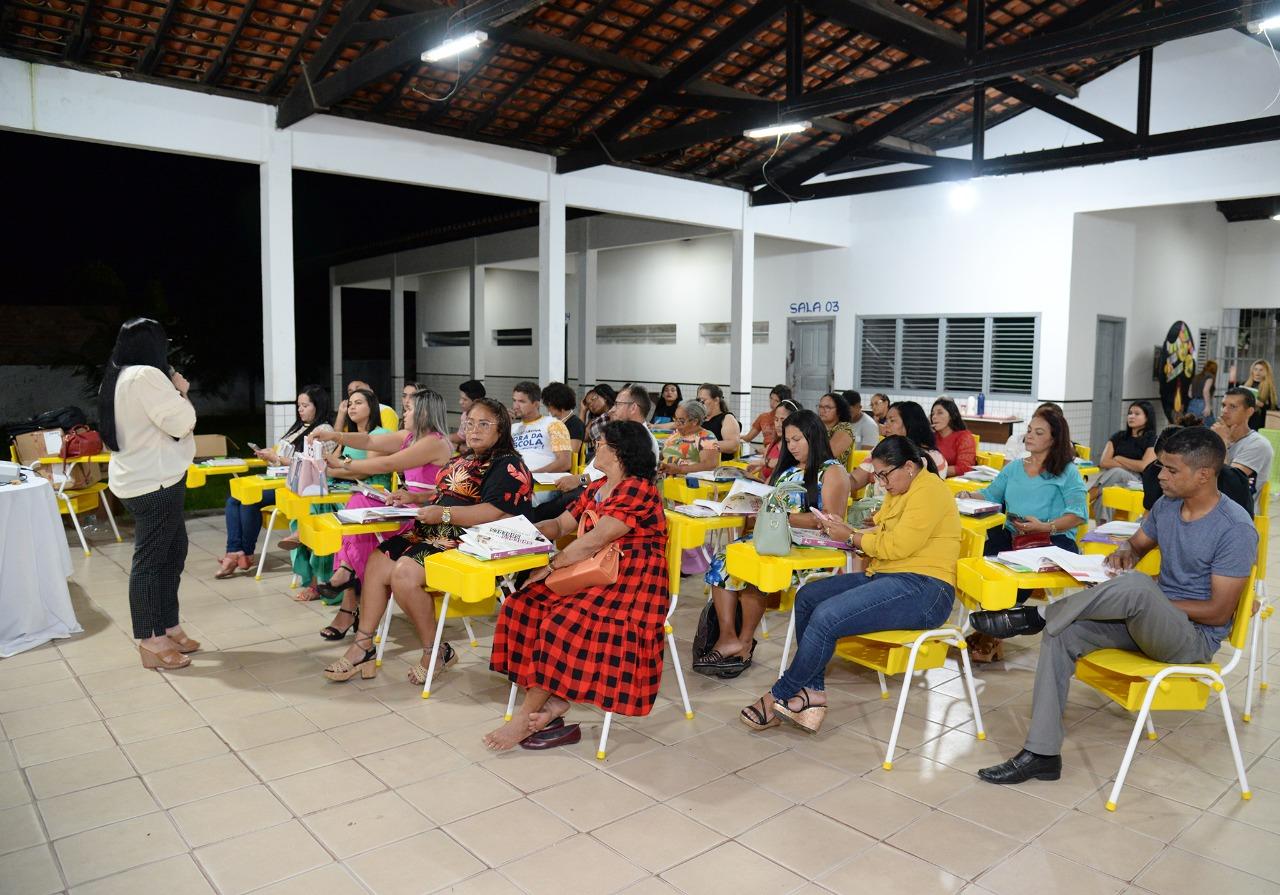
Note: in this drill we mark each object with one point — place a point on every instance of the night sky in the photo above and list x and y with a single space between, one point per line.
154 233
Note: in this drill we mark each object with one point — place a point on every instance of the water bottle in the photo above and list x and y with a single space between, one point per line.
971 405
982 404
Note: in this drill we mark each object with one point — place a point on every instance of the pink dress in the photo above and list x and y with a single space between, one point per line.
356 549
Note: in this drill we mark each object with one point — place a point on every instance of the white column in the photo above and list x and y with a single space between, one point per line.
275 179
588 268
335 340
741 316
397 341
479 335
551 273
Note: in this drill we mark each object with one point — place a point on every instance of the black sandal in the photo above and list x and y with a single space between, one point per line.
755 717
329 591
329 632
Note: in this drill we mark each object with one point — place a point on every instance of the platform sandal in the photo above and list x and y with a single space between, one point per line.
344 669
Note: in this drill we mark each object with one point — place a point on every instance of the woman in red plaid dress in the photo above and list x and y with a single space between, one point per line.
602 646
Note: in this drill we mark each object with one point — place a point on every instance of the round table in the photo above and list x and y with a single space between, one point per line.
35 606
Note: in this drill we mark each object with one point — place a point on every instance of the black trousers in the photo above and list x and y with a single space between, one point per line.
159 554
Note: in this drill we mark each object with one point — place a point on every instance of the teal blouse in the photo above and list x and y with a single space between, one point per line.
1045 497
382 478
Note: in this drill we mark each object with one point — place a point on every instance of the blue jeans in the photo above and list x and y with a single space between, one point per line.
244 522
845 605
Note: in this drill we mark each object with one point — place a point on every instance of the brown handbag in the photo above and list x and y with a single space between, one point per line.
602 568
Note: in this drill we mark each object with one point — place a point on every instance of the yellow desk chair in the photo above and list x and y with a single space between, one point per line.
1127 502
479 585
994 459
198 474
1260 630
293 507
1083 452
907 651
579 461
75 501
779 574
1138 682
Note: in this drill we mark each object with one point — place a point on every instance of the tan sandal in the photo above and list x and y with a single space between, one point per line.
756 717
344 669
418 673
809 717
169 660
230 563
184 643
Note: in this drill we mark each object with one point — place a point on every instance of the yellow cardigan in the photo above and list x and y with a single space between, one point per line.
918 531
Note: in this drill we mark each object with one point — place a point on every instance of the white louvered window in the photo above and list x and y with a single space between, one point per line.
878 353
954 355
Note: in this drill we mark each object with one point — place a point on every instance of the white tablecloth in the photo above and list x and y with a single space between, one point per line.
35 606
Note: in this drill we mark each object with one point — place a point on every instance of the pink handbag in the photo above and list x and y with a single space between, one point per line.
602 568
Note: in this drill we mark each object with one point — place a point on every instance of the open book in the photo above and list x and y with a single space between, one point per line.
812 537
981 474
506 537
745 498
375 514
1085 568
719 474
371 493
969 506
1116 532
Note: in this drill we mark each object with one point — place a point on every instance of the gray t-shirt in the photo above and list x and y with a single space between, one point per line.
1255 452
1222 542
865 431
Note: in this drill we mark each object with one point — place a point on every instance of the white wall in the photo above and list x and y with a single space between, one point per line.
1252 275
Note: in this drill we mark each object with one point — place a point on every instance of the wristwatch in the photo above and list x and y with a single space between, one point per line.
584 479
446 517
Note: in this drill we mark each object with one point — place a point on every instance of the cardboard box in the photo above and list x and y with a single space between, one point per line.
209 446
1273 420
31 446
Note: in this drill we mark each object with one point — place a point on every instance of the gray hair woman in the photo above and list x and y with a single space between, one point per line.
691 447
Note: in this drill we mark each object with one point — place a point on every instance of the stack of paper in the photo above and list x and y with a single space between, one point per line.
1085 568
981 474
745 498
969 506
516 536
375 514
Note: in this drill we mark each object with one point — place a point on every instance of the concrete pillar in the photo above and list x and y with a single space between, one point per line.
551 274
588 268
279 373
741 317
336 385
397 341
479 334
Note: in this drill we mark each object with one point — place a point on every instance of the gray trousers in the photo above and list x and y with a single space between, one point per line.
1129 612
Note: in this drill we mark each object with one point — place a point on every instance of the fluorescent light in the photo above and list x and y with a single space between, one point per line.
963 197
1275 217
775 130
1270 24
455 46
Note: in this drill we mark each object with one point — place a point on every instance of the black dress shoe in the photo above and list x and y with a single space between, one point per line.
1023 767
1004 623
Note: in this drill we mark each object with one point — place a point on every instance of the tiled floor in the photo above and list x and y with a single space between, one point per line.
251 773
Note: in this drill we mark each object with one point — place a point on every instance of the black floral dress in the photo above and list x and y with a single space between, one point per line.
502 482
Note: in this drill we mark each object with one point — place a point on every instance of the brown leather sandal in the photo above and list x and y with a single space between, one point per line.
184 643
169 660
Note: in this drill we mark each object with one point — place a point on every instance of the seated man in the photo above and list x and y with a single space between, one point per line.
541 439
1208 545
1247 451
866 431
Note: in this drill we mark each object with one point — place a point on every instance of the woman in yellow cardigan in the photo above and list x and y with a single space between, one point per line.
909 582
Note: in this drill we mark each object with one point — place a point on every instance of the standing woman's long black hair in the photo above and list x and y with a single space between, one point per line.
819 453
142 342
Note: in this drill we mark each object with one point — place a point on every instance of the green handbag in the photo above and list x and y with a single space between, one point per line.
772 536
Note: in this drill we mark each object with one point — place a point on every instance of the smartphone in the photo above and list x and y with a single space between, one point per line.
1014 517
253 447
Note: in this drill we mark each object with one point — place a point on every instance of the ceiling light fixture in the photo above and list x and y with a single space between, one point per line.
776 130
1275 217
1268 24
455 46
963 197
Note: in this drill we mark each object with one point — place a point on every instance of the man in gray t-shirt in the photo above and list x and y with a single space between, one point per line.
1246 449
1208 545
866 432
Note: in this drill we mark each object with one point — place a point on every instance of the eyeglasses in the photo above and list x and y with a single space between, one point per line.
481 424
883 477
680 420
601 443
626 403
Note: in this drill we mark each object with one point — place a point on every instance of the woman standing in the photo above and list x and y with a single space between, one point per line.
147 420
1202 388
1263 383
955 442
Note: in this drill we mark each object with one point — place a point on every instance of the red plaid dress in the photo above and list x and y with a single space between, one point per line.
604 645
